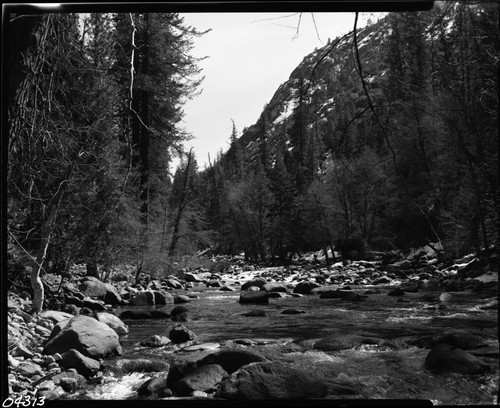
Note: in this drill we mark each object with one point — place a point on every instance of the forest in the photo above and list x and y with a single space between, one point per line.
386 138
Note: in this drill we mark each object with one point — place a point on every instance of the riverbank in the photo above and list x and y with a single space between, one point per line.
411 329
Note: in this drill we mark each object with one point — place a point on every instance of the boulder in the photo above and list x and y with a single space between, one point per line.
173 283
159 314
94 305
231 359
274 287
181 334
29 369
381 281
260 297
445 358
259 282
181 299
142 298
126 366
85 366
94 288
153 385
162 298
112 321
305 287
55 316
192 277
227 288
87 335
177 310
156 341
202 378
271 380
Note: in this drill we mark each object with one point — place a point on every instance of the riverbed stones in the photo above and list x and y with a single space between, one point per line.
180 334
232 359
85 366
258 297
445 358
202 378
305 287
87 335
156 341
259 282
271 380
112 321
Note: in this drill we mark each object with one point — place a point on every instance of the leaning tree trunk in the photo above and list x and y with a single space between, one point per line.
48 228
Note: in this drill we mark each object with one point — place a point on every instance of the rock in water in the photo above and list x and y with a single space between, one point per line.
203 378
271 380
153 385
305 287
112 321
181 299
259 282
86 366
261 297
87 335
445 358
396 292
156 341
143 298
181 334
231 359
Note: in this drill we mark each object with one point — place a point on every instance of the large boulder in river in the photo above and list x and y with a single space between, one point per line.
271 380
142 298
203 378
87 335
260 297
231 359
259 282
85 366
180 334
94 288
305 287
445 358
112 321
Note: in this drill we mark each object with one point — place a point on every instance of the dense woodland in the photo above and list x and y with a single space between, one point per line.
385 138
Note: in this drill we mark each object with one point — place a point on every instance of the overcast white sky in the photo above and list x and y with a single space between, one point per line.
250 55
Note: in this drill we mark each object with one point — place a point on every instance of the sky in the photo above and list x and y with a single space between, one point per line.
249 56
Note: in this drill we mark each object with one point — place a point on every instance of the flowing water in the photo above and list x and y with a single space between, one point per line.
378 371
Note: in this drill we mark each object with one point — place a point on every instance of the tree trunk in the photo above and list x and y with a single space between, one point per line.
182 205
36 282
